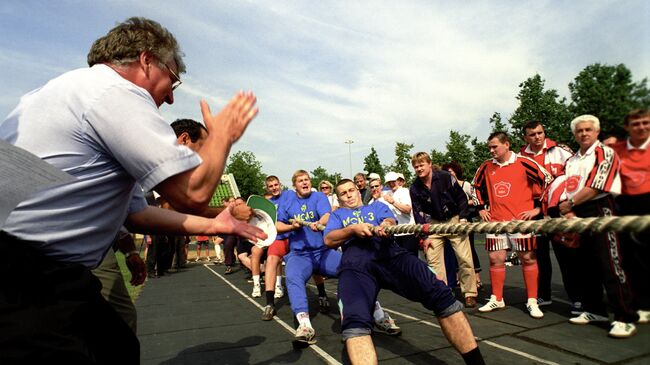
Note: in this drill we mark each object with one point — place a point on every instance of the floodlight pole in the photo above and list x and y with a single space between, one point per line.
349 142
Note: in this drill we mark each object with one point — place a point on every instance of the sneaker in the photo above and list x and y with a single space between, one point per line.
257 291
622 330
387 325
323 305
544 302
586 318
269 312
228 270
492 304
305 335
279 292
576 308
533 308
644 316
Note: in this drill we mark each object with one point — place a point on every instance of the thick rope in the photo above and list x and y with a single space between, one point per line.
630 224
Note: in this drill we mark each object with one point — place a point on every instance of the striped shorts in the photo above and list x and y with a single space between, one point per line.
510 241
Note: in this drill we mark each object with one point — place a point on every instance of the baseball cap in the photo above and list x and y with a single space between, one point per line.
374 176
391 176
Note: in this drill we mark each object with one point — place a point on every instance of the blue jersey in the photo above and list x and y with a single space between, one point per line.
279 201
357 250
309 209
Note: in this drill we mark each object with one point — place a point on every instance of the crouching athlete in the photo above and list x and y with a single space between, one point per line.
370 263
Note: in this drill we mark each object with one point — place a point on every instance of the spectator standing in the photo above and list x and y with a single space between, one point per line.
591 177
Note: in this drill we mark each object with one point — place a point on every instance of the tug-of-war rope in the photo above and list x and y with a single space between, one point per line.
629 224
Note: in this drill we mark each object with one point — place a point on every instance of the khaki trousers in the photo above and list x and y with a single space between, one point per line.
460 243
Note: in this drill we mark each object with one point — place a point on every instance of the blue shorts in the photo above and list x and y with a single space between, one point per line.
401 272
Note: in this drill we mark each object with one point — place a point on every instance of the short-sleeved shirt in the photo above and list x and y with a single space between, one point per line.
279 201
373 214
509 187
309 209
597 168
109 134
635 167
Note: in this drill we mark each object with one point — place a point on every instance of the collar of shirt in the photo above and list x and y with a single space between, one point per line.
642 147
512 159
589 151
542 150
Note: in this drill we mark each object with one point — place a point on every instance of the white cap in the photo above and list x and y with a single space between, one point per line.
373 175
401 176
391 176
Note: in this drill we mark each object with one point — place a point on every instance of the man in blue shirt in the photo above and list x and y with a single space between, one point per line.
370 263
308 255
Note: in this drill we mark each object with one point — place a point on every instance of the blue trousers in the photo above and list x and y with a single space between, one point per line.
300 266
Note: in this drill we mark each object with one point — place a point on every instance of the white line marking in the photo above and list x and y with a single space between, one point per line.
319 351
489 343
520 353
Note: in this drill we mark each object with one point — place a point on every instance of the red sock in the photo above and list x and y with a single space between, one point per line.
497 278
531 273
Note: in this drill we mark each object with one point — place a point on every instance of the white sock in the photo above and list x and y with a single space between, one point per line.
217 249
256 280
278 281
303 319
378 314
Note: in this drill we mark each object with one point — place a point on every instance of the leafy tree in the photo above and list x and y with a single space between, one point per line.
458 150
535 103
320 173
402 161
248 173
371 163
480 153
438 158
609 93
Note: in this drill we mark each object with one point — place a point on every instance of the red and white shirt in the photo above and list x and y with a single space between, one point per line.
635 167
597 168
552 156
508 188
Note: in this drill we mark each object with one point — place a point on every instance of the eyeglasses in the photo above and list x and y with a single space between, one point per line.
176 81
324 187
375 186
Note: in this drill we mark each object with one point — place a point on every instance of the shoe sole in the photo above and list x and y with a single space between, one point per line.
622 336
387 333
302 343
492 310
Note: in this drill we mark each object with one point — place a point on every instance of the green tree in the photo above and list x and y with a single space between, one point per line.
402 161
545 106
480 153
609 93
458 150
438 158
320 173
371 163
248 173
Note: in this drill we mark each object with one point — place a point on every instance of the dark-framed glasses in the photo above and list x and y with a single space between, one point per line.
176 82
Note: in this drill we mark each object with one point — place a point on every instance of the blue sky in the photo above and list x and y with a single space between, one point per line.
374 72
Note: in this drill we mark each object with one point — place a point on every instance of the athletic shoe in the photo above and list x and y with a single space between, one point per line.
533 308
387 325
492 304
269 312
305 335
544 302
228 270
279 292
257 291
323 305
586 318
622 330
644 316
576 308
